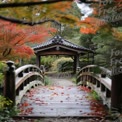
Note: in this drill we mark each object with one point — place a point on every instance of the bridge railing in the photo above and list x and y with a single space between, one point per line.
27 77
19 81
98 79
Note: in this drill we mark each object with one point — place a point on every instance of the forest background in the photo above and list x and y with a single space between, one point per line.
25 24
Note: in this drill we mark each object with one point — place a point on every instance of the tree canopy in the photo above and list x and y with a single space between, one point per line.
15 40
102 30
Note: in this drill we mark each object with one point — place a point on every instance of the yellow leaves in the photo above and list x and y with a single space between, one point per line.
68 19
117 34
62 6
51 88
4 102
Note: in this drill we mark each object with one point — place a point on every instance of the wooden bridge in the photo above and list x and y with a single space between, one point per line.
18 82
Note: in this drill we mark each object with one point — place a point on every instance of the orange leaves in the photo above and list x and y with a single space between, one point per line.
91 25
84 88
86 30
47 100
58 6
23 51
10 36
37 33
25 104
97 108
14 39
51 88
24 110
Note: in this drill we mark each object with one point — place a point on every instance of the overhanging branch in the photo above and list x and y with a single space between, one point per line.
21 4
27 22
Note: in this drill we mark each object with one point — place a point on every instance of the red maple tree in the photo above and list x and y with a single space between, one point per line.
14 39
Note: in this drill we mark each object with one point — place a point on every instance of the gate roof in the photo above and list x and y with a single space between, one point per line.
59 46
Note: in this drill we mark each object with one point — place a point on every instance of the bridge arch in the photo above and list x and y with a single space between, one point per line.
108 86
101 84
19 81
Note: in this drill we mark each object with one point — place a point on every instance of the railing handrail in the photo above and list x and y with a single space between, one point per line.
103 69
107 71
27 77
98 79
22 68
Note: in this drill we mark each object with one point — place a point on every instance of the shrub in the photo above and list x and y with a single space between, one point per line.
6 110
95 95
47 81
2 68
62 64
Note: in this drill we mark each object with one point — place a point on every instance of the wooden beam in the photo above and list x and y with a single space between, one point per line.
38 60
62 48
56 53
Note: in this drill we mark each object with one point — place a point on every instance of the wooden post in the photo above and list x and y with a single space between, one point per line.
116 92
38 60
92 58
9 83
74 67
88 59
76 63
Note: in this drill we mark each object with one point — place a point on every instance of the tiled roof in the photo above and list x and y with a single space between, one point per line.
60 41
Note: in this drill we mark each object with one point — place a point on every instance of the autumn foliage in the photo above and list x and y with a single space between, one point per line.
14 40
104 13
117 34
91 25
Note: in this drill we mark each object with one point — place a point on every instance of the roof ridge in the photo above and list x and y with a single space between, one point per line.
57 39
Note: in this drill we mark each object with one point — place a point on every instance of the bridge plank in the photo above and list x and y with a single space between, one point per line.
60 101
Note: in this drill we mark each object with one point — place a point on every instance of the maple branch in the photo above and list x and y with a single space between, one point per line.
88 1
6 52
28 23
21 4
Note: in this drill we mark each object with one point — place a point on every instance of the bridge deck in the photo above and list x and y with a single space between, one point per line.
60 101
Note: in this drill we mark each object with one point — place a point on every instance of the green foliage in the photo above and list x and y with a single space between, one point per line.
105 42
47 81
96 70
94 95
32 60
1 78
73 79
71 34
62 64
6 111
85 40
4 102
65 66
47 61
2 67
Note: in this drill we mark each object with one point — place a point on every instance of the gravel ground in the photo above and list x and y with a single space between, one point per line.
61 82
